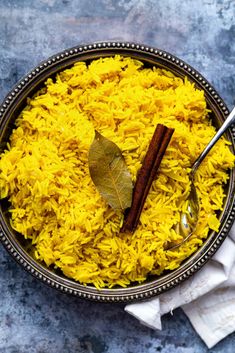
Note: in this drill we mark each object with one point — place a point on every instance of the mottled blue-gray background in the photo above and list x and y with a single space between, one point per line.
33 317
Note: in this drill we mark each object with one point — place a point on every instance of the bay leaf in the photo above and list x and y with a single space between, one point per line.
109 172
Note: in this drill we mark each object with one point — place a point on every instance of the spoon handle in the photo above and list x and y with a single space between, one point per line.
228 122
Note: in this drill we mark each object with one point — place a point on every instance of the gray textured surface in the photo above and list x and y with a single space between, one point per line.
37 319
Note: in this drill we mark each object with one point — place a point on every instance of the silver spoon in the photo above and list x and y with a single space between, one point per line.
189 219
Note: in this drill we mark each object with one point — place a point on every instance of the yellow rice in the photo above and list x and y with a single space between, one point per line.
45 175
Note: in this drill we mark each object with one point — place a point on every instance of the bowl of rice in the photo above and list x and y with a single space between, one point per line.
55 222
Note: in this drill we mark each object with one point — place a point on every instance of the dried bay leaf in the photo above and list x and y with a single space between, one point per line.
109 172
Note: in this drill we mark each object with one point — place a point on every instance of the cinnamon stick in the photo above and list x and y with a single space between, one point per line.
146 175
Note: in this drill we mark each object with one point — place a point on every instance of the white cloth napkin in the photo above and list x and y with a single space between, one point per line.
207 298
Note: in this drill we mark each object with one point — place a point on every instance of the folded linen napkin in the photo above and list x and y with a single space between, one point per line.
207 298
